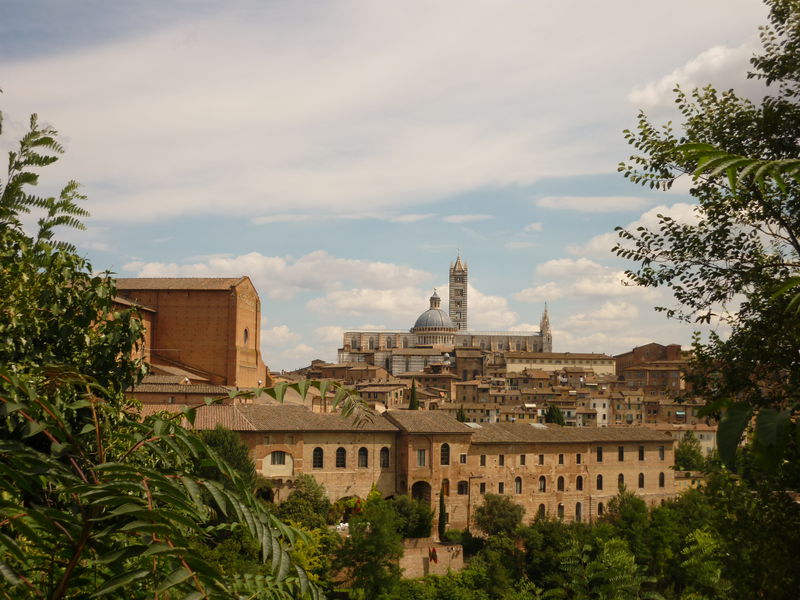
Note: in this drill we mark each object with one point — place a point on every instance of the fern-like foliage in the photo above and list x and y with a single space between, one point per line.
39 147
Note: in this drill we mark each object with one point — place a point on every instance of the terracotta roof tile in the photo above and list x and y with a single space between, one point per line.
492 433
426 421
177 283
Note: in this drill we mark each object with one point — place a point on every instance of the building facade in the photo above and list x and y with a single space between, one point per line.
565 472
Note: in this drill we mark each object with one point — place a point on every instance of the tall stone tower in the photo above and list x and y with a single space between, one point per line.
544 330
459 275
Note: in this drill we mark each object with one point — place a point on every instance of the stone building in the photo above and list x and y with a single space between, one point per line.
204 329
437 333
566 472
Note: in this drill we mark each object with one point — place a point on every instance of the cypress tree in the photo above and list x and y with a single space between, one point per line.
413 403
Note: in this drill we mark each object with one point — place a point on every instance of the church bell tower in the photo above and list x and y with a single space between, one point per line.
459 274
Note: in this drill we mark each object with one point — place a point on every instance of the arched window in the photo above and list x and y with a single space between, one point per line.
560 511
518 485
446 487
463 488
578 512
579 483
599 482
444 454
542 484
363 457
341 458
317 458
540 514
384 458
660 480
641 481
372 343
621 481
560 484
599 509
246 336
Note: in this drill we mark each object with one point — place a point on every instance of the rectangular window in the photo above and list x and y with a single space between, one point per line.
483 488
641 452
561 459
483 460
522 460
420 458
661 452
502 459
620 453
278 457
577 459
541 459
501 487
599 454
462 458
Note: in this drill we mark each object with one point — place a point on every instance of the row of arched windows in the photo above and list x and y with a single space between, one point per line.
318 458
599 483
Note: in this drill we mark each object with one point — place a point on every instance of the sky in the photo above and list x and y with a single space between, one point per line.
342 153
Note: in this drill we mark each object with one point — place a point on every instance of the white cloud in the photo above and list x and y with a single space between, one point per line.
600 245
565 268
466 218
533 227
614 316
284 277
278 336
587 280
722 66
329 334
519 245
410 218
593 203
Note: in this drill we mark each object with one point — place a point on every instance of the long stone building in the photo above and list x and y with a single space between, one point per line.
565 472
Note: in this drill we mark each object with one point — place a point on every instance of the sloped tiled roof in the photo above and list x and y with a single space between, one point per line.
564 355
273 417
426 421
177 283
492 433
205 389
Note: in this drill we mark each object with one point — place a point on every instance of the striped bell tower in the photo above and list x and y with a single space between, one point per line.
459 275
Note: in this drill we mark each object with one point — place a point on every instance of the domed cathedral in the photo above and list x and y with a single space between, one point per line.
437 334
434 326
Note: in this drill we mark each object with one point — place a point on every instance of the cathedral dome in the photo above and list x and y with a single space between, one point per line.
434 317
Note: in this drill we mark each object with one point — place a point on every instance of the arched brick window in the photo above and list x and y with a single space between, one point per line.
560 511
579 483
641 481
660 480
599 482
318 458
446 487
578 512
599 509
620 481
444 454
341 458
560 484
542 484
363 457
384 458
518 485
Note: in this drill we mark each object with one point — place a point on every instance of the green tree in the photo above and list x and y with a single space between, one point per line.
307 505
498 515
703 567
689 453
629 516
741 245
554 415
414 517
228 446
461 416
95 501
413 403
442 523
607 572
369 556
